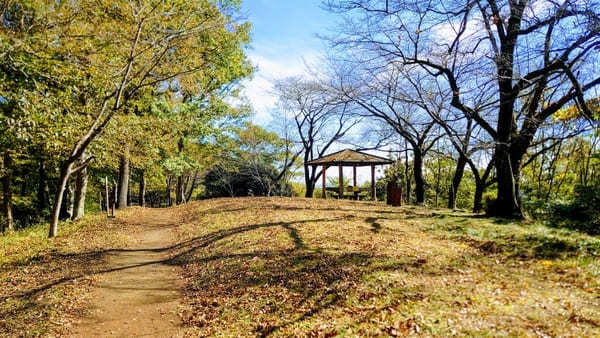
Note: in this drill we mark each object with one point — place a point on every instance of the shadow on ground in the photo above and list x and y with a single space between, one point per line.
314 280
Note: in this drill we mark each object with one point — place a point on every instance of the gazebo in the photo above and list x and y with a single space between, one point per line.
348 158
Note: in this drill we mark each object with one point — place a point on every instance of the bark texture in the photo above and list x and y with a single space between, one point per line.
309 182
508 203
418 175
179 191
123 190
81 183
7 194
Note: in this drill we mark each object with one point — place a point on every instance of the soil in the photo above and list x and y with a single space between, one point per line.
140 294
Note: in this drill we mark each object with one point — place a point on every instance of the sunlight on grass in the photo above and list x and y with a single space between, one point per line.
320 268
44 283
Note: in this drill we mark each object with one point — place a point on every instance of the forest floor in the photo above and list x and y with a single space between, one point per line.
299 267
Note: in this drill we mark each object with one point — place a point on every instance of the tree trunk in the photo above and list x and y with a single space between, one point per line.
309 191
7 194
308 182
123 179
418 174
66 209
179 191
129 196
508 202
142 191
192 187
169 200
65 173
81 183
477 200
179 196
406 173
42 196
458 176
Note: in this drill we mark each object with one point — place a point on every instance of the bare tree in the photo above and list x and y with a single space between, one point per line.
292 150
321 120
467 138
383 95
539 55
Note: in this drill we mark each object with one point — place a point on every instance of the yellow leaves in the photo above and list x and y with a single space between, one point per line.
573 111
546 263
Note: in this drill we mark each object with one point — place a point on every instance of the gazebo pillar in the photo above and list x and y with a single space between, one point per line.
350 158
324 174
373 192
355 183
341 182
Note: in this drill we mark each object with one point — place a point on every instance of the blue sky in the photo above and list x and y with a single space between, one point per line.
283 41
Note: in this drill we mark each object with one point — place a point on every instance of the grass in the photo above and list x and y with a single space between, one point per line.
44 282
297 267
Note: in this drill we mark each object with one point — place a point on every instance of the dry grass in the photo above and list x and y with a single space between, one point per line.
258 267
44 283
297 267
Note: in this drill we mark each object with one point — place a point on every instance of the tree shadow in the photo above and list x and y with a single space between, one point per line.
298 242
320 280
90 261
375 226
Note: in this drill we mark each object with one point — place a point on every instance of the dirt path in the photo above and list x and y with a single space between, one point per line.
140 297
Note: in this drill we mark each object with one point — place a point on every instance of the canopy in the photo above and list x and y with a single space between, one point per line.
350 158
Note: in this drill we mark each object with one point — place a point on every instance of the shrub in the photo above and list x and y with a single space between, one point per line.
298 189
244 180
25 212
580 213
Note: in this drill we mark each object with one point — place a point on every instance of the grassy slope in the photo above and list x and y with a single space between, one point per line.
44 283
314 267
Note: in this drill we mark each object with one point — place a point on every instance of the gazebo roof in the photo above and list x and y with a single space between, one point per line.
350 157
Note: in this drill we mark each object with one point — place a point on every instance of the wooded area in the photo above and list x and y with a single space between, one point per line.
477 121
485 105
113 89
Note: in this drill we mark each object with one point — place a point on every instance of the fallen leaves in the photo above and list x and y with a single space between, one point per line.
45 284
315 268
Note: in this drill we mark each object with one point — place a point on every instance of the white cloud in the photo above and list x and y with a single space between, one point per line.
273 63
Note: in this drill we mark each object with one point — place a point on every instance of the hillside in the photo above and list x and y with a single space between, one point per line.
281 267
323 268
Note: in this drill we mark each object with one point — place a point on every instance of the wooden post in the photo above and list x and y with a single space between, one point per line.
324 174
115 198
341 182
106 197
355 183
373 192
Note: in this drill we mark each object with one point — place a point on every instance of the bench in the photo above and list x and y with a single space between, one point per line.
349 192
